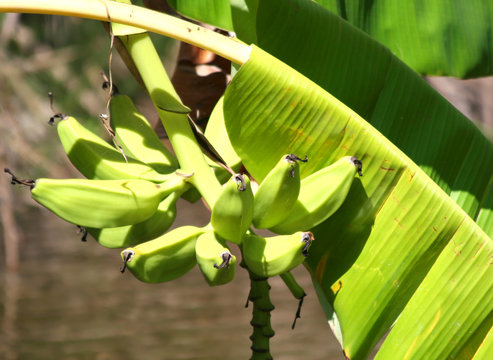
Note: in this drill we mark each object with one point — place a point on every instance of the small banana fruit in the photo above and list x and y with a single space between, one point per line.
233 210
165 258
275 255
277 193
136 136
216 262
100 203
131 235
96 159
321 194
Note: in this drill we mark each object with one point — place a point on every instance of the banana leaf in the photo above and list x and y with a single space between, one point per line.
398 239
399 247
214 12
433 37
364 75
401 250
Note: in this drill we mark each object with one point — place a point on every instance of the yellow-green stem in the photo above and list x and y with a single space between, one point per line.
163 95
150 20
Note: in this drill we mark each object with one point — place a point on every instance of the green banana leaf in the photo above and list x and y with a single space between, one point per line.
398 238
397 234
214 12
433 37
365 76
486 348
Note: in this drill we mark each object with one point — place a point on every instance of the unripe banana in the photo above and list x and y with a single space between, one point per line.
277 193
131 235
233 210
96 159
216 262
100 203
321 194
136 136
277 254
165 258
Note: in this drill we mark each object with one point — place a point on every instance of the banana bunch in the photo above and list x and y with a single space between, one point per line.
165 258
129 201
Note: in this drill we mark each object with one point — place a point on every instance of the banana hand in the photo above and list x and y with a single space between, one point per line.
321 194
96 159
136 136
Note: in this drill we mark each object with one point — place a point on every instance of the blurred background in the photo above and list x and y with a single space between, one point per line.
61 298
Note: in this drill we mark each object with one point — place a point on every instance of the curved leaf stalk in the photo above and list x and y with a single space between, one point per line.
137 16
262 306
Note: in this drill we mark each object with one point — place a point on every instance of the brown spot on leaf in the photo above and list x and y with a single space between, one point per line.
387 169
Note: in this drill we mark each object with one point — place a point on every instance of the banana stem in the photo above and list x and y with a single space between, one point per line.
262 306
165 98
297 292
137 16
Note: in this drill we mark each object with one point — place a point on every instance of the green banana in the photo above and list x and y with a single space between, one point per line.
233 210
277 193
136 136
101 203
131 235
277 254
96 159
215 260
321 194
165 258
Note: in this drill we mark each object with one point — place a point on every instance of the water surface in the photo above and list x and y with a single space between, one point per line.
69 301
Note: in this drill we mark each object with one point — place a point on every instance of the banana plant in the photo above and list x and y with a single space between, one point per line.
410 252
